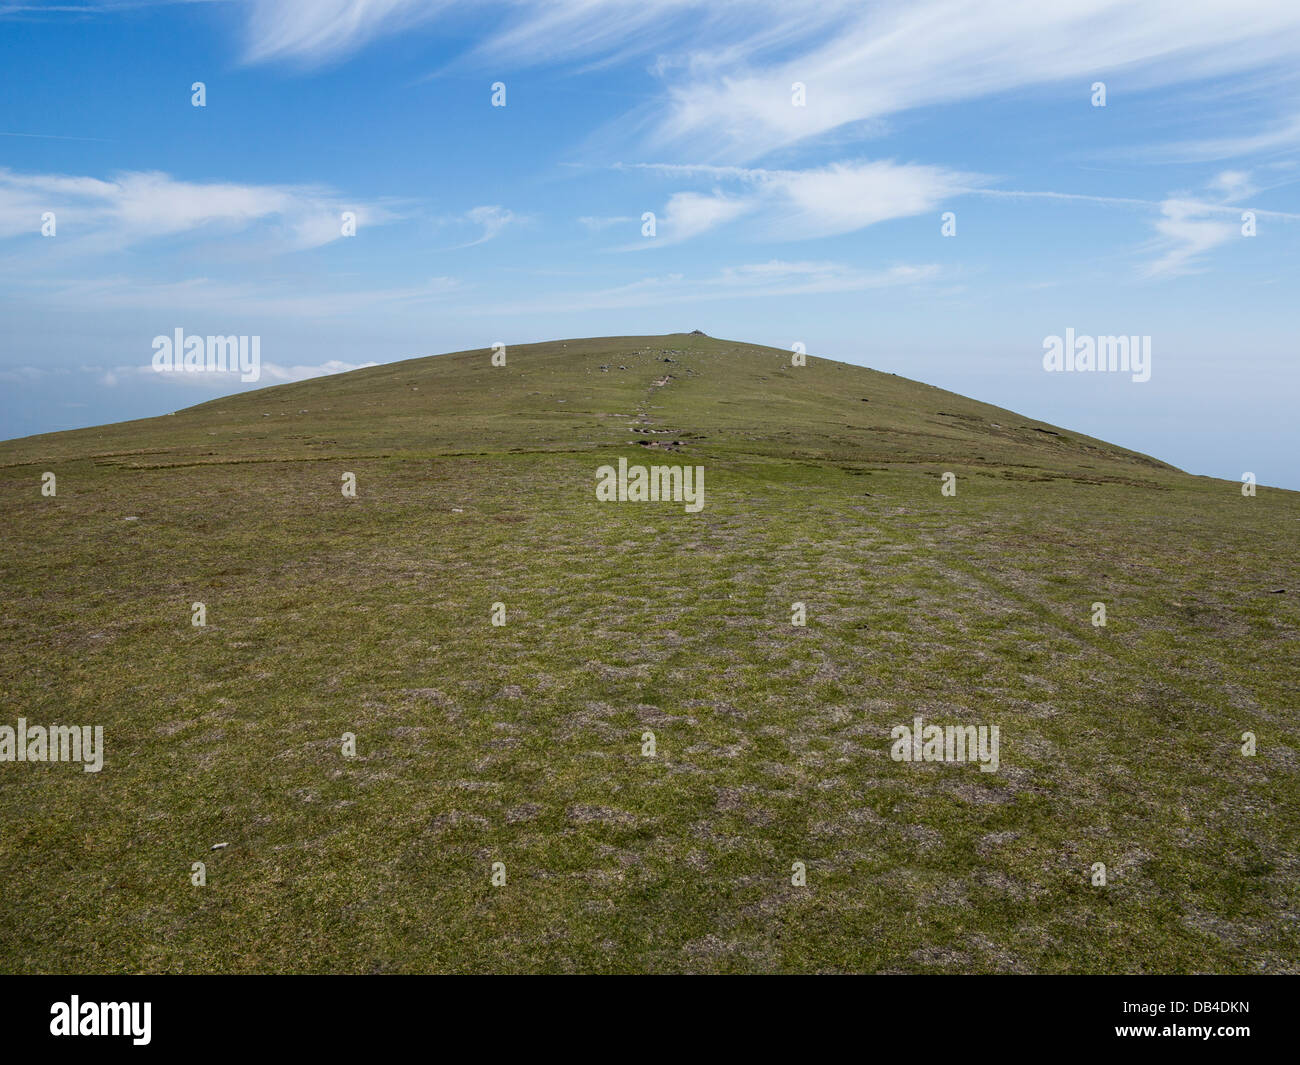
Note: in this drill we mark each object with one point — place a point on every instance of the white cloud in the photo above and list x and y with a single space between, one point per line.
1188 227
844 197
689 214
896 56
492 219
728 69
487 221
1284 134
1127 201
137 206
1187 233
273 371
1232 185
312 32
805 204
111 376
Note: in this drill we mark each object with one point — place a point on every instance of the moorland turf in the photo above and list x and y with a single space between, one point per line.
522 744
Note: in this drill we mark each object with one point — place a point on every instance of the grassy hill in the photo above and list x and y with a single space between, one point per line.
523 743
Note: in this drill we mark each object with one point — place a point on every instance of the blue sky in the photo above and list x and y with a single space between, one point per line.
775 222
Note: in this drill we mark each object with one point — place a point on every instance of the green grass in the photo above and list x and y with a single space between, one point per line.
522 744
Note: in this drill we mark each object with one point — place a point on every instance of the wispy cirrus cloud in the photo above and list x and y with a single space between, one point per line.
1233 185
490 220
1187 231
1188 228
136 206
728 69
805 204
893 57
691 214
845 197
1281 135
314 32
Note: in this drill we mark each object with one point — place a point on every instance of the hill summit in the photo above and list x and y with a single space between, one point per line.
641 654
716 397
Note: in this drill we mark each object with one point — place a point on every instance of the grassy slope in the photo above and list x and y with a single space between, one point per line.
522 744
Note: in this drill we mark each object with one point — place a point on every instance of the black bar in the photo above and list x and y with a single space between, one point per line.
342 1013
